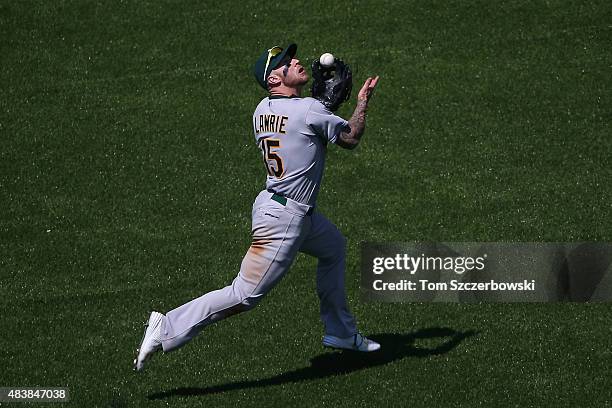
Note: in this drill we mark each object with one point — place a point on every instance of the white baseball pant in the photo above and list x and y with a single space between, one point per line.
279 232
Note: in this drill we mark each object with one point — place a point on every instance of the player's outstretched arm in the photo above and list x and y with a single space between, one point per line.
350 140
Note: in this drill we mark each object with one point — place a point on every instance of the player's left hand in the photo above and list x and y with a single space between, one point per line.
366 91
332 90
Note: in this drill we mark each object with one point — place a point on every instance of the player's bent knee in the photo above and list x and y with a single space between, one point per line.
342 242
335 250
339 245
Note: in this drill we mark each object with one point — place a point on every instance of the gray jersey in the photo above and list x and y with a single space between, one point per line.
292 134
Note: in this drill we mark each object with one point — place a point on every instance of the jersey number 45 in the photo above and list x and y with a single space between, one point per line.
273 162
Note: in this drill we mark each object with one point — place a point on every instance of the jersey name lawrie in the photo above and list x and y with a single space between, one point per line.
270 123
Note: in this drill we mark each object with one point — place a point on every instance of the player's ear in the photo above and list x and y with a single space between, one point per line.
273 80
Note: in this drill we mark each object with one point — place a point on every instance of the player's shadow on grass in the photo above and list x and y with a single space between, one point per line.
394 347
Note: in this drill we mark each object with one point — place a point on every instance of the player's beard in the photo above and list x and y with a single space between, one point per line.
300 82
305 80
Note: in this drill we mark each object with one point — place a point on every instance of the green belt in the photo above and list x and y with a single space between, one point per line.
279 199
283 201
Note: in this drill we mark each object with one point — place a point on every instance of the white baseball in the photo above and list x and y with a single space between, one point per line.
327 60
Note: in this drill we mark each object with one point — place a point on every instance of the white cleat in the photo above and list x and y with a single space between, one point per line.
357 342
151 341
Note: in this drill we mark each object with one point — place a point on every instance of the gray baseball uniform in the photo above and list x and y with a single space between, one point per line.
293 134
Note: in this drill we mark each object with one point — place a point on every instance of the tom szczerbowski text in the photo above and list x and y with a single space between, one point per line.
453 285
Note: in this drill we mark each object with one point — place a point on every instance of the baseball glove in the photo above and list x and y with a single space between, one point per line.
333 85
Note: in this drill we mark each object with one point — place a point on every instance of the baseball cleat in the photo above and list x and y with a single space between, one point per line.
357 342
151 341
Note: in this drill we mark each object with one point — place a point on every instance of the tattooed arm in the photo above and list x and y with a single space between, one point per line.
350 139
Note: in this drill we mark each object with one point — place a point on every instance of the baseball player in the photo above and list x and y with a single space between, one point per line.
293 134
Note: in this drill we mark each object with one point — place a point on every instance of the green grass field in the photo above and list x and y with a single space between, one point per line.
128 171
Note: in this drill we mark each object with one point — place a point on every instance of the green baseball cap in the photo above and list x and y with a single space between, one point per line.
269 60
